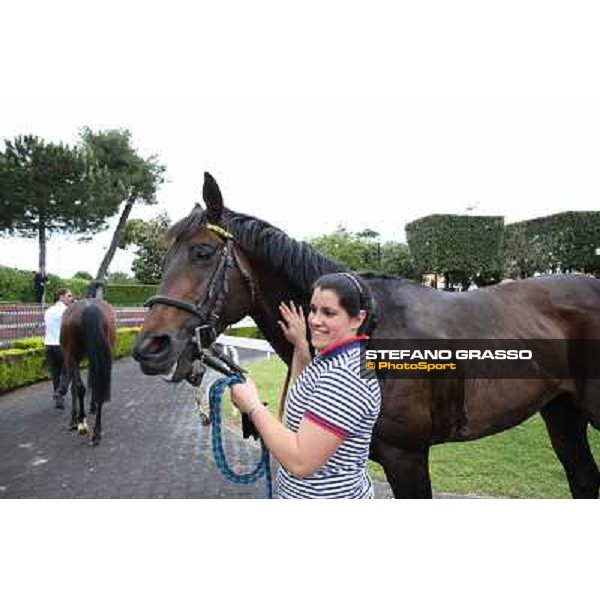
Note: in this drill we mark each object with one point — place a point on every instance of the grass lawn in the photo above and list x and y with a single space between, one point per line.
518 463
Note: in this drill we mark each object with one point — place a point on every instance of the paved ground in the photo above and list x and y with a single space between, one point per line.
153 446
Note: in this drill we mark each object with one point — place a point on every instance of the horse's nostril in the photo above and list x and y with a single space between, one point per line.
158 344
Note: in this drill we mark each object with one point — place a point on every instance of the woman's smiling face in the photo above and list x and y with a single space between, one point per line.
329 323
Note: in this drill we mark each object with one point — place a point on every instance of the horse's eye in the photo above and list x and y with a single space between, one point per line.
201 252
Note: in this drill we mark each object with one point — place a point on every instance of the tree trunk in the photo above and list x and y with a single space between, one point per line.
42 243
42 256
110 253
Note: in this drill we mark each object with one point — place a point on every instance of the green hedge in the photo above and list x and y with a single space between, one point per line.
25 362
17 286
129 294
461 247
561 242
245 332
20 367
126 337
28 343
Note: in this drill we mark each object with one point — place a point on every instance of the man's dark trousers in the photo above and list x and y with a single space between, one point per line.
55 362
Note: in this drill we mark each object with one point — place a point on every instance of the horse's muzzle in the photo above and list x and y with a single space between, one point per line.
155 353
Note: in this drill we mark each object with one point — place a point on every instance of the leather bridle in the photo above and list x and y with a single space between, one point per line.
208 310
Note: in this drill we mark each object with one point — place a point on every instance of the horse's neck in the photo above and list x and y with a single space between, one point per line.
272 291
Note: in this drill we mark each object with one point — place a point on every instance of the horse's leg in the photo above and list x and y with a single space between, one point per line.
407 472
64 379
69 377
96 402
93 399
82 426
97 431
567 427
74 396
98 348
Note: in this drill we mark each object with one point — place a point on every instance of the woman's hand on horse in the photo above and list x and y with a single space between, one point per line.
244 395
293 324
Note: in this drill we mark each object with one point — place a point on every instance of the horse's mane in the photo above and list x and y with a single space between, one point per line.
298 261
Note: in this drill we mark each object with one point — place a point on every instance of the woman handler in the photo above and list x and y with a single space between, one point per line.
331 410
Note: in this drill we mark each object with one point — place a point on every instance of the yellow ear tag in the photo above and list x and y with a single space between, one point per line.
219 231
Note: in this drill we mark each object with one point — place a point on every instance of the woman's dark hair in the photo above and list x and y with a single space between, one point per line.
354 295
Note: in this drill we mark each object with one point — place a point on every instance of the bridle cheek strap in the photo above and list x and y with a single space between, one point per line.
208 311
168 301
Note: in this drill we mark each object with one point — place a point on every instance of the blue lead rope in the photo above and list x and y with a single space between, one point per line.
263 468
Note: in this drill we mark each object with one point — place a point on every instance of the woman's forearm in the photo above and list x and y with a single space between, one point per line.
282 442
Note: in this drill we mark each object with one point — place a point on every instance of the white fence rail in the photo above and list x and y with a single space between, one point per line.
246 343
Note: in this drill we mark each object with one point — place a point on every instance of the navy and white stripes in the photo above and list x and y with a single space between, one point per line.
331 393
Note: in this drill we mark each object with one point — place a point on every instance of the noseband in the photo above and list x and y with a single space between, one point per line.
208 310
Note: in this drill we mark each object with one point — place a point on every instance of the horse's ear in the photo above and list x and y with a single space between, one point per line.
212 196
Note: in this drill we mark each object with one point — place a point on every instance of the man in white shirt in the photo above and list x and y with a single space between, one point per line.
54 357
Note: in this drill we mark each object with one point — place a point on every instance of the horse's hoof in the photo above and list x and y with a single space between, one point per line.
73 427
83 428
95 440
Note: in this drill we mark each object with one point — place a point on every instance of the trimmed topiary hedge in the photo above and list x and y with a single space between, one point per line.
20 367
28 343
462 247
562 242
25 362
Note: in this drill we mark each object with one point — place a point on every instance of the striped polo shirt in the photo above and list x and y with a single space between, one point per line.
330 392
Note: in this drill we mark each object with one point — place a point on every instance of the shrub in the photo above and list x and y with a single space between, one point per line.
83 275
77 286
561 242
16 285
129 295
126 337
20 367
462 247
245 332
28 343
25 362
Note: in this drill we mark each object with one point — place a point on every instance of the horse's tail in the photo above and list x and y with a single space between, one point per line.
99 352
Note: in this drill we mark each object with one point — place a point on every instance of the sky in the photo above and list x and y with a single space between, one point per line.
313 115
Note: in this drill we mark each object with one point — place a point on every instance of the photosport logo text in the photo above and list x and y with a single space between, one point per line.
485 359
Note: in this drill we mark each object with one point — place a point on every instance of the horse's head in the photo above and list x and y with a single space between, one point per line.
207 282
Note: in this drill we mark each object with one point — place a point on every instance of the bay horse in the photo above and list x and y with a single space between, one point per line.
88 331
222 265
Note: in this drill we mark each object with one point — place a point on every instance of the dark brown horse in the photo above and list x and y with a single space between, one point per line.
88 331
222 265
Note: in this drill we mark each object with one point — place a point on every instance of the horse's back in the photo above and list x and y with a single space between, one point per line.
552 308
72 333
543 307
